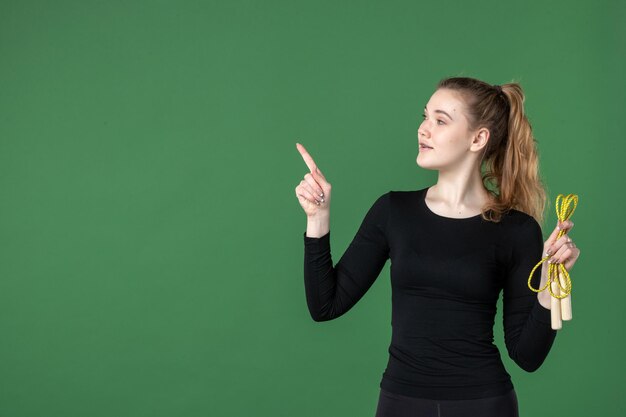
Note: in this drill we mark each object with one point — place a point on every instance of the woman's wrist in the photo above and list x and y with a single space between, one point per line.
544 299
318 226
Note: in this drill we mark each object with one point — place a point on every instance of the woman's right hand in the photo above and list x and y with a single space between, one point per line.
313 192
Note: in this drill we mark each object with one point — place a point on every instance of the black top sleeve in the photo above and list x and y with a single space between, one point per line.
528 334
332 290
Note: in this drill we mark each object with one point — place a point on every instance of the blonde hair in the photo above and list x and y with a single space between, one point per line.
510 162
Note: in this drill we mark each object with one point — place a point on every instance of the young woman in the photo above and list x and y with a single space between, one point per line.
453 246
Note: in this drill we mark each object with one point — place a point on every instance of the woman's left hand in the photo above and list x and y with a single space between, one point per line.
563 251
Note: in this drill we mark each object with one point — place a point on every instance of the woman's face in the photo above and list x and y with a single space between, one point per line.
445 130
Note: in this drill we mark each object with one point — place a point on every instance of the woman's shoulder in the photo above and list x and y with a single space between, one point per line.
405 194
517 217
400 198
519 225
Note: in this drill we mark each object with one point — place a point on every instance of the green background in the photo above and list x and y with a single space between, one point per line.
151 247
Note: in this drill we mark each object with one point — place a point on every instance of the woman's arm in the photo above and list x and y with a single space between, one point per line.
317 226
528 334
333 290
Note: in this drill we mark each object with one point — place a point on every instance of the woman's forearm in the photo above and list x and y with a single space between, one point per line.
318 226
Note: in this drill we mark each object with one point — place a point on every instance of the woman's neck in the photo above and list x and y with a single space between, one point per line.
458 196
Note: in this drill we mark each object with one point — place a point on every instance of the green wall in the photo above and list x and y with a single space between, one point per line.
150 238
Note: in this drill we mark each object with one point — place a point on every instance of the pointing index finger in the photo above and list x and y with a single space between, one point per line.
308 160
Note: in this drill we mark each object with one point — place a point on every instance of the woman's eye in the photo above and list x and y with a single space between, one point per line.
438 120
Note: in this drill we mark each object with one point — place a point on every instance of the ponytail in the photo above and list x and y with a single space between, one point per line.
510 162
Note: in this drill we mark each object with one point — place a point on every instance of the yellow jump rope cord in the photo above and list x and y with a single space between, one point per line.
565 206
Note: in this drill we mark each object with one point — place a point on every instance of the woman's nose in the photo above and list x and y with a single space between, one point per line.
421 131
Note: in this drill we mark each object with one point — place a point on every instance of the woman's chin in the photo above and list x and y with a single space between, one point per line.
422 164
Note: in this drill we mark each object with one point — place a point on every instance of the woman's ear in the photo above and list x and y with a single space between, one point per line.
480 139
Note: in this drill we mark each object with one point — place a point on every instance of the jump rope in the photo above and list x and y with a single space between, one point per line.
559 283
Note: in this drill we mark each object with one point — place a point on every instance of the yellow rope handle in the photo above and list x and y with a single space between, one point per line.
565 206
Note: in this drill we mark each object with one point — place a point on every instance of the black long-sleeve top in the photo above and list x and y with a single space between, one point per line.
446 276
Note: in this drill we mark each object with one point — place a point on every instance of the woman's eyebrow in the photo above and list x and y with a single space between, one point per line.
440 111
